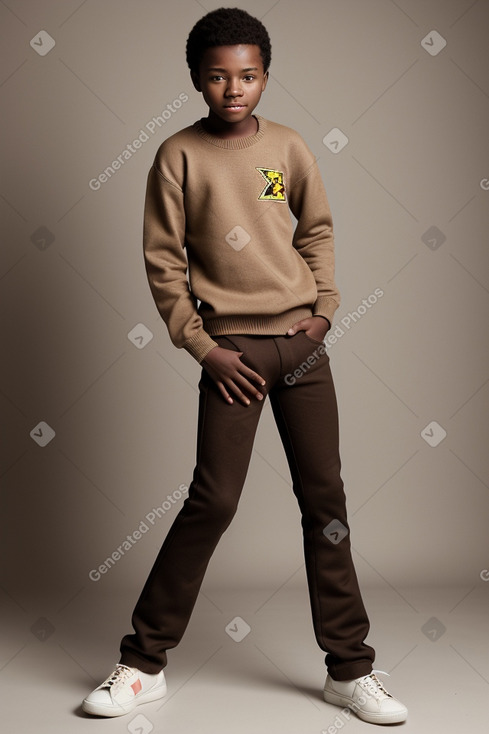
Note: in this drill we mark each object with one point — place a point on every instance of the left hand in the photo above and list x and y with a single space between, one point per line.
315 327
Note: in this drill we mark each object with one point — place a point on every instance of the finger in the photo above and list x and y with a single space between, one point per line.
252 375
239 394
241 388
247 387
243 370
299 326
222 389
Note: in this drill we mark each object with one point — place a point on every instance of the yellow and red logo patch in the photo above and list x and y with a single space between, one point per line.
275 188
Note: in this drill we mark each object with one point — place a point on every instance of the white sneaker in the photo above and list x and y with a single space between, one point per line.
367 697
123 690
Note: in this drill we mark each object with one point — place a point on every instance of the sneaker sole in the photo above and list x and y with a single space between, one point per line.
99 709
371 718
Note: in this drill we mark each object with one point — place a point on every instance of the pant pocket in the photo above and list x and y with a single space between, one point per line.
310 339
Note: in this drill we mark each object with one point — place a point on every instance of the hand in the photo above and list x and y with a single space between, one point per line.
231 375
315 327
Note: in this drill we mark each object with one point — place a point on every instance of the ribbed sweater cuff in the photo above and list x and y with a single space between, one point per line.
325 306
200 345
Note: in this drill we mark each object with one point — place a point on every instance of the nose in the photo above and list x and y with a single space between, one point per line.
234 88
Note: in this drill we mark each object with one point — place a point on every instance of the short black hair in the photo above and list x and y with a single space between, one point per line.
227 27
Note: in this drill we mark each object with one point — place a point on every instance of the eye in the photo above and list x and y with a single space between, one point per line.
249 77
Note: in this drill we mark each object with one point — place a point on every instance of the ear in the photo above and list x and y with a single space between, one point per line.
195 81
265 80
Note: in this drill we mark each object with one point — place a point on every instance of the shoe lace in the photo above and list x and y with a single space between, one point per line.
119 676
373 686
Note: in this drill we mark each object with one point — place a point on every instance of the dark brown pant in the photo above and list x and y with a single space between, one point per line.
304 407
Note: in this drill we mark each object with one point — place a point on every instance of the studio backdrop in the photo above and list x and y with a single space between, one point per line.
99 409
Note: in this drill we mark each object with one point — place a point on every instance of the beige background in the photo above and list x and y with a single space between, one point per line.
125 417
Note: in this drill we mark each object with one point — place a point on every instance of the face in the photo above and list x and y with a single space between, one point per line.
231 79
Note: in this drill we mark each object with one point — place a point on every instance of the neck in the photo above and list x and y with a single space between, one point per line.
221 129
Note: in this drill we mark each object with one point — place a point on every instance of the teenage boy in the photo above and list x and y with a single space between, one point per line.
259 303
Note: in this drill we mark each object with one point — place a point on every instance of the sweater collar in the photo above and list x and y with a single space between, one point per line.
232 143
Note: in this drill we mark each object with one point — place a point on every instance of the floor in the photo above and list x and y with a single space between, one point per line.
249 663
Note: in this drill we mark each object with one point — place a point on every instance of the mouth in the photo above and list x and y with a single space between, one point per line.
234 107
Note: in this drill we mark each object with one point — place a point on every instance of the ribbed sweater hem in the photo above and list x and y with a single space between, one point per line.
269 325
276 325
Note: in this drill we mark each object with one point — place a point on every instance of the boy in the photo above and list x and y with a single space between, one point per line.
259 303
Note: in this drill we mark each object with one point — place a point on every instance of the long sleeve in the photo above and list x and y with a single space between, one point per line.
313 237
166 265
220 249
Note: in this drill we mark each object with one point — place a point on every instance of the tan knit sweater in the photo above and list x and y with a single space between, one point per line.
220 207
